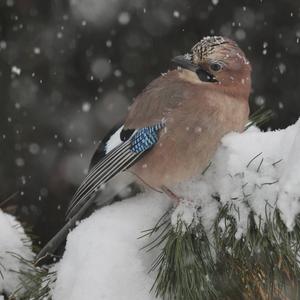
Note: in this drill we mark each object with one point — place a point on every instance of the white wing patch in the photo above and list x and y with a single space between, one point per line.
114 141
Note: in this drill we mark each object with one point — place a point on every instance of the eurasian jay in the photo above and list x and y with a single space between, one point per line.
174 126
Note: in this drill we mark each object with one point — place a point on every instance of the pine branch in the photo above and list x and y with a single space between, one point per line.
185 262
35 282
260 117
263 264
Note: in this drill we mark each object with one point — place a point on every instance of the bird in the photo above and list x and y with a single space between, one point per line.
173 128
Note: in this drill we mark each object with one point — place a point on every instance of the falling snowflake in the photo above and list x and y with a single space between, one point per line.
16 70
86 107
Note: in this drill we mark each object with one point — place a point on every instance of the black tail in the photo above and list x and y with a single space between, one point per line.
59 238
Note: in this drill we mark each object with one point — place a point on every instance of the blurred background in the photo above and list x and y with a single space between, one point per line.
69 69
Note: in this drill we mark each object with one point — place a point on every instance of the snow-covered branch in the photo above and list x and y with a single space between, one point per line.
13 244
253 172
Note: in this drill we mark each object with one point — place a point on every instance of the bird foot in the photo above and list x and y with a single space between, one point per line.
175 198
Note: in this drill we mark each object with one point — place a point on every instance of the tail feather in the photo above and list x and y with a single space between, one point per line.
60 236
118 159
87 193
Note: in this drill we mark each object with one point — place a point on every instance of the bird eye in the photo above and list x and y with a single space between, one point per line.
205 76
216 67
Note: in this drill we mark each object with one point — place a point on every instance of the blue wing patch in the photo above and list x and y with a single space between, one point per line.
145 138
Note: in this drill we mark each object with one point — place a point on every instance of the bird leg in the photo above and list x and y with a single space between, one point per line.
146 184
172 195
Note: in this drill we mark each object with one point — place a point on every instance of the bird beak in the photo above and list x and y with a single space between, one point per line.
184 62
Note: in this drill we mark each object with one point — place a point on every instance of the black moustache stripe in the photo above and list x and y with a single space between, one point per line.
205 76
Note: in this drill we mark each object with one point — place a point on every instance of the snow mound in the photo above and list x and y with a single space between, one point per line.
13 241
103 258
251 171
261 170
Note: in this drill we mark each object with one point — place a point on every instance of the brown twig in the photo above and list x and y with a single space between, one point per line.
4 202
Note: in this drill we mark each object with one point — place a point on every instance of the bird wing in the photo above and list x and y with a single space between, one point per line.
114 154
129 142
117 156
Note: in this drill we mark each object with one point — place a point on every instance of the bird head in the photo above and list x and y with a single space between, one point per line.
217 60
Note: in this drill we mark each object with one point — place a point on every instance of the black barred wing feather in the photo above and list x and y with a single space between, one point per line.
106 166
117 160
101 149
115 154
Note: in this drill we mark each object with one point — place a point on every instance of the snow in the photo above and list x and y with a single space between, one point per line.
176 14
258 171
255 170
74 168
3 45
13 241
282 68
240 34
289 184
112 109
37 50
124 18
103 258
86 106
16 70
101 67
260 100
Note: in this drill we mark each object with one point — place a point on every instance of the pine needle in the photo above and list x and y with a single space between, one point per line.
35 282
263 264
260 117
